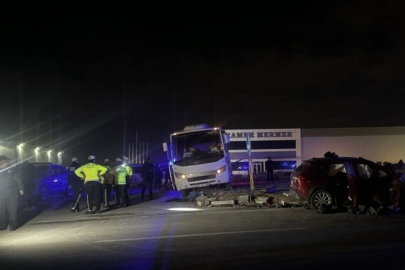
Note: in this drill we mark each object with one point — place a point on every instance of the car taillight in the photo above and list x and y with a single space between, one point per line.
297 178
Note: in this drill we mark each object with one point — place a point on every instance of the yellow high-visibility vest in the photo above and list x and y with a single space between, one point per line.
91 172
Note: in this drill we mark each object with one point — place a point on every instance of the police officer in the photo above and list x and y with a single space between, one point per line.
121 171
108 183
128 179
76 183
91 173
10 186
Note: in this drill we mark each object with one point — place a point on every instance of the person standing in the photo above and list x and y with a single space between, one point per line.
27 174
157 173
118 162
10 186
147 177
121 172
167 176
76 183
269 169
108 183
128 179
91 173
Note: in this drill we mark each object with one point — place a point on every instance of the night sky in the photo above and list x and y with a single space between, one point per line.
87 83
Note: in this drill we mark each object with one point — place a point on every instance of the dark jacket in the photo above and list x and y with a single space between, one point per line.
147 171
10 181
72 177
269 165
158 173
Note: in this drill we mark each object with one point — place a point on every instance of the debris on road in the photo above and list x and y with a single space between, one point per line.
266 197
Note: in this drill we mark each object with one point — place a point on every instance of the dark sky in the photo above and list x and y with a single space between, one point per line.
87 82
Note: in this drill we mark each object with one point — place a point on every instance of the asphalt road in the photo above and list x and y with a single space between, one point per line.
157 235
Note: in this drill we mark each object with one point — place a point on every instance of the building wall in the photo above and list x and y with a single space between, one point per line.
378 144
282 145
382 148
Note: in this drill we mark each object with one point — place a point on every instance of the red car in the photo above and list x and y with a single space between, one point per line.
356 183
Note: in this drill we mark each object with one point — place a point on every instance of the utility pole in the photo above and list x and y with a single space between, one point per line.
251 171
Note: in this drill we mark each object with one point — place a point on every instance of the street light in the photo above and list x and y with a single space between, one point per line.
37 153
19 156
20 145
60 157
50 155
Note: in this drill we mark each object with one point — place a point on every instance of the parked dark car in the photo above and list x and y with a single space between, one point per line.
356 183
44 179
136 174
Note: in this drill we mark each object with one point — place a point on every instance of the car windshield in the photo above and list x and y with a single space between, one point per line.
204 146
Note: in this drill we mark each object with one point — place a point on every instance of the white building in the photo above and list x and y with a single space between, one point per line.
378 144
282 145
289 147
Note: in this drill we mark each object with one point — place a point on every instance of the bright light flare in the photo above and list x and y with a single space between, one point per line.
184 209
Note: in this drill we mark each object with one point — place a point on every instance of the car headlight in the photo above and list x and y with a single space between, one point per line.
222 169
180 175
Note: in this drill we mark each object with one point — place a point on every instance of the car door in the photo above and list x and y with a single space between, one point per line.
57 179
352 183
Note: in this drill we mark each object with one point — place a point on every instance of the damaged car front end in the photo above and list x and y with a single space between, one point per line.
360 185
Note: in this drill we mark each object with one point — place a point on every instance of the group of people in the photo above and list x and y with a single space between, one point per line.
100 179
159 175
152 178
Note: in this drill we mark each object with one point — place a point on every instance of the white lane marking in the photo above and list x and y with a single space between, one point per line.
195 235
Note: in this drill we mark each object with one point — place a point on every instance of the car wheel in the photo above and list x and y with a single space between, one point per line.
322 201
44 193
69 191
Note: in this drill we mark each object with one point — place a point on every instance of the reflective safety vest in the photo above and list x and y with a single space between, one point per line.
120 173
91 172
129 170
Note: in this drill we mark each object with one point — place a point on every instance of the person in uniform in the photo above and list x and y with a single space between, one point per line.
121 172
91 173
76 183
128 179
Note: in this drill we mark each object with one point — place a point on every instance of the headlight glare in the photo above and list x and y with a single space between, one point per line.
222 169
179 175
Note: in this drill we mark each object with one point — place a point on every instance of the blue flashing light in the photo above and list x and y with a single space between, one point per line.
289 165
